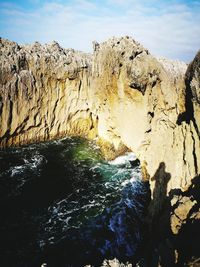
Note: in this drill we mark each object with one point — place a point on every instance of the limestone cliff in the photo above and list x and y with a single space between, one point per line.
120 95
44 89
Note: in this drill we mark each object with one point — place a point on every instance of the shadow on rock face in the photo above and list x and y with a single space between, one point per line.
159 222
161 179
174 224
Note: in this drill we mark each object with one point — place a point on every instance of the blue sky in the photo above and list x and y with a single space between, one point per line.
167 28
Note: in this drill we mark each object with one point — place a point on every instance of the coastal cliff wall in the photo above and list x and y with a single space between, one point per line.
43 91
120 95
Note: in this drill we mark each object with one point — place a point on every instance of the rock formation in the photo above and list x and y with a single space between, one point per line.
121 96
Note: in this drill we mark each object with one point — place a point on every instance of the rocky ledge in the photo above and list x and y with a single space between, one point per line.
121 96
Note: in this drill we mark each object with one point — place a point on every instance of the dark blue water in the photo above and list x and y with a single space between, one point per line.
62 204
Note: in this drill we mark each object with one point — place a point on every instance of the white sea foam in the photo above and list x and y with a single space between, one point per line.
16 170
67 220
121 160
32 164
124 183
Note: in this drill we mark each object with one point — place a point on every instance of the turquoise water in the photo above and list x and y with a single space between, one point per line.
64 205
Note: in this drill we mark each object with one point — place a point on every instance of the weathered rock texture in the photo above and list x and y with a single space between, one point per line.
120 95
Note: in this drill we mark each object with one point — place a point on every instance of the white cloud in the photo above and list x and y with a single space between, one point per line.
166 30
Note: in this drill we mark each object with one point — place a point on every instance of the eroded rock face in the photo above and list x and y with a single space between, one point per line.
120 95
42 93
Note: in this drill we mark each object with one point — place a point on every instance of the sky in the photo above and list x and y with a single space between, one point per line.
169 28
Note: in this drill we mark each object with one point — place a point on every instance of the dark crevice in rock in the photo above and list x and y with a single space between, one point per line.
192 95
184 147
138 86
137 53
194 152
20 128
4 137
1 105
32 126
154 83
151 114
10 117
92 123
53 112
23 64
189 113
13 69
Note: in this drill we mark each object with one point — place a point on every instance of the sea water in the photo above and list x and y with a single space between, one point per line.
62 204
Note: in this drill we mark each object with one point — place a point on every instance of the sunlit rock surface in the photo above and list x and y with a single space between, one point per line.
121 95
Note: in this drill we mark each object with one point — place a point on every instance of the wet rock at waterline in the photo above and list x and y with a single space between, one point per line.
124 98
